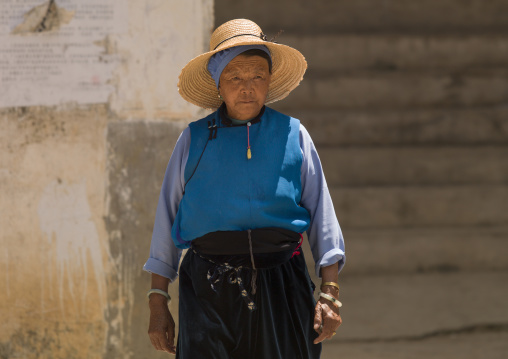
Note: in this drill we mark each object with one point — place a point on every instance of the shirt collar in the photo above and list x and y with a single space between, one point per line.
226 121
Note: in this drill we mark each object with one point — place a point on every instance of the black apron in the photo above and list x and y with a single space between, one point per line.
223 316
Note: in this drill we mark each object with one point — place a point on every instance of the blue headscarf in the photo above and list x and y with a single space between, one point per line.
221 59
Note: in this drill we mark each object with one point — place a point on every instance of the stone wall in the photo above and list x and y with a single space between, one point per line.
84 141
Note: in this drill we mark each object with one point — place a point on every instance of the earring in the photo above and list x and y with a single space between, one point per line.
220 97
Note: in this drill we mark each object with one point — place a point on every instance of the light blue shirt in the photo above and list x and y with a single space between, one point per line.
324 233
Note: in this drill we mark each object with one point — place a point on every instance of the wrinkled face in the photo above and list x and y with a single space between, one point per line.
244 86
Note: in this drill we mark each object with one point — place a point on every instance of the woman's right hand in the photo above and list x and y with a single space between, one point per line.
162 326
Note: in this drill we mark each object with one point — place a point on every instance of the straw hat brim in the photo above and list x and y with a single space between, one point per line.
288 67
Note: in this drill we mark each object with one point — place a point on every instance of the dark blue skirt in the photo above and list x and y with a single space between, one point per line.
217 323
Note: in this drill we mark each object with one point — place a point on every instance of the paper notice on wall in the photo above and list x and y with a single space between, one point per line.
54 52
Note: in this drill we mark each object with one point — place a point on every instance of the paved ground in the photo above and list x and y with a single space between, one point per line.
476 345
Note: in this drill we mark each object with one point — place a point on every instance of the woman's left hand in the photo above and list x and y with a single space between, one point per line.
326 319
327 316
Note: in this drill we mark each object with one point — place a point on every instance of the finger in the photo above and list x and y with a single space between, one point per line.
320 338
164 343
159 340
155 343
171 336
318 324
318 317
325 332
158 344
339 322
331 322
171 343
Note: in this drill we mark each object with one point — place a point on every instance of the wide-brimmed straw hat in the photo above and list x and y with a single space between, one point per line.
288 65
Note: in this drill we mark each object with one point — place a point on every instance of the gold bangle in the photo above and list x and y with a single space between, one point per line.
333 284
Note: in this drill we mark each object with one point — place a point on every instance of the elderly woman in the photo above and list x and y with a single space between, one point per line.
241 187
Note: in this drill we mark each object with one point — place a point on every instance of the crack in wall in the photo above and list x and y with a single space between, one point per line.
472 329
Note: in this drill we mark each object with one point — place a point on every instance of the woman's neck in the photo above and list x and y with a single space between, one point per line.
239 122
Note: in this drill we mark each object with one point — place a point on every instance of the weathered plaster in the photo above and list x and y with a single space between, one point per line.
79 186
74 240
138 153
163 36
42 18
52 208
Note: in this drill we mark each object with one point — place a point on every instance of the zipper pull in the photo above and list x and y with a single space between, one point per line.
249 154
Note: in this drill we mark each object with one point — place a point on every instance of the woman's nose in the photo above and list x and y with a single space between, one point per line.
247 85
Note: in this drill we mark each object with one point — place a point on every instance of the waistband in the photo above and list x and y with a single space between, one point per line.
262 240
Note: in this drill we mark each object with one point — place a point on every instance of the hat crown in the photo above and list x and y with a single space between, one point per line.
197 86
234 29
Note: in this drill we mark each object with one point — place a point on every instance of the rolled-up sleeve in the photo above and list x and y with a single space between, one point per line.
324 233
164 256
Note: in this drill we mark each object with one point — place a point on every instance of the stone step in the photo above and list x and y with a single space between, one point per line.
385 52
446 126
420 206
322 16
425 250
409 90
398 166
398 307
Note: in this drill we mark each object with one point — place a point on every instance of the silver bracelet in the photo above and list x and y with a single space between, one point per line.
158 291
331 299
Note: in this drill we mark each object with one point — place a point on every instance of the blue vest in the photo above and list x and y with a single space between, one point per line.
228 192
